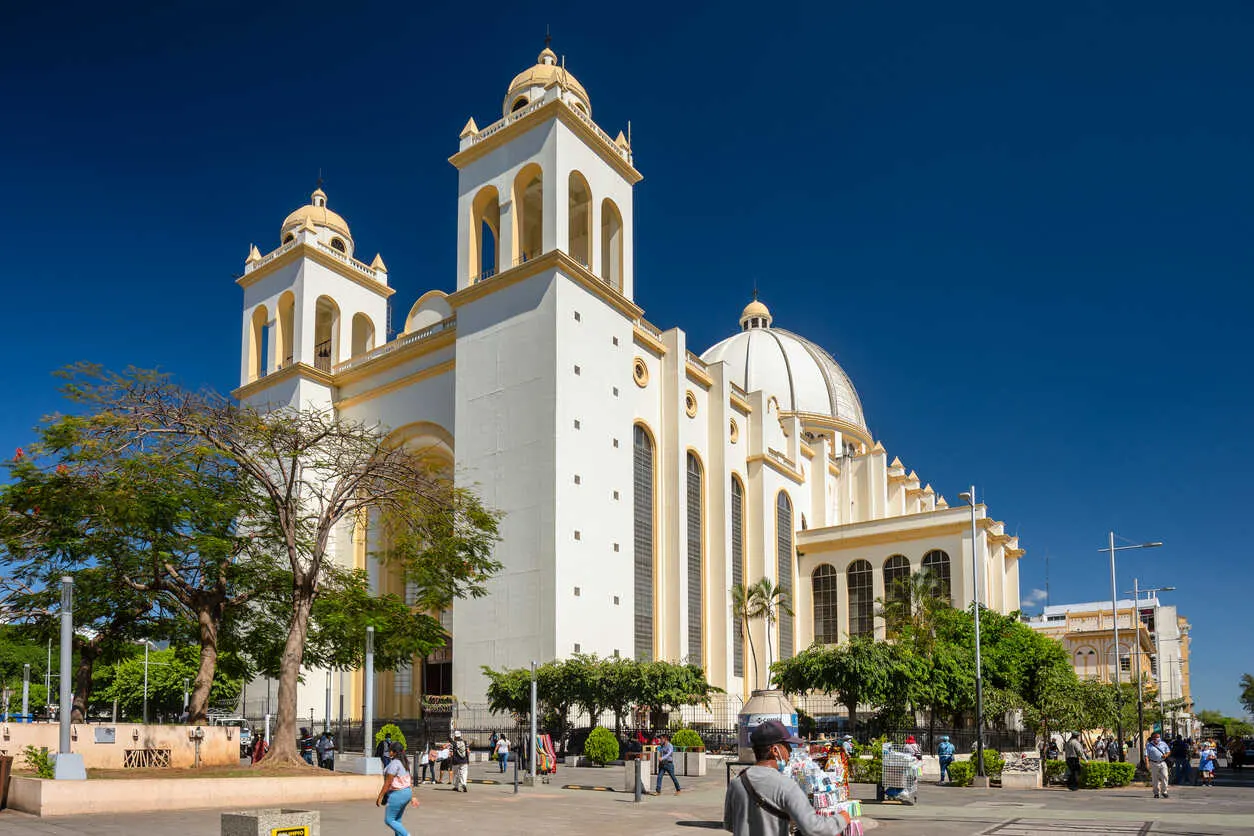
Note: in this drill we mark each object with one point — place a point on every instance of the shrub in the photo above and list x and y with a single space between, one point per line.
1120 774
994 763
687 739
962 773
601 746
392 729
1055 772
39 761
1093 774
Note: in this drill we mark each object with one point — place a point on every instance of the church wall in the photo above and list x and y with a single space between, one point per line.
505 399
351 299
267 292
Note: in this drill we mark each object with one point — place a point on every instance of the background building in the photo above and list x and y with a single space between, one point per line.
639 480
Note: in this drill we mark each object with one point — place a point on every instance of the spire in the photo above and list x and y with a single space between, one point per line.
378 264
548 37
253 254
470 130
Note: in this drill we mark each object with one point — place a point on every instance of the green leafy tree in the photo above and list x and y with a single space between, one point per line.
909 609
389 730
855 673
509 691
1247 692
168 670
665 685
601 746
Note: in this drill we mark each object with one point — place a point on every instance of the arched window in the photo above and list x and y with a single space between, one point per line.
485 227
642 531
579 223
528 213
519 104
783 555
287 239
896 574
860 578
258 337
823 588
696 548
363 334
611 244
326 333
738 571
287 312
338 244
936 563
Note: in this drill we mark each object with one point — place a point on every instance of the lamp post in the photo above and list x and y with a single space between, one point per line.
145 682
26 693
969 498
531 746
368 737
1114 615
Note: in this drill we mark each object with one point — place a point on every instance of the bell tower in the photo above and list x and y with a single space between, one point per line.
544 177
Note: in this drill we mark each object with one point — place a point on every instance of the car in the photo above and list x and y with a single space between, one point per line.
1241 752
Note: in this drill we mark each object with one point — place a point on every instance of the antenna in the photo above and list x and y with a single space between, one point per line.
629 133
548 38
1047 578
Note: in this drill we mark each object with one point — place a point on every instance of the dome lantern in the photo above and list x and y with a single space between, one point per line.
316 214
530 85
755 315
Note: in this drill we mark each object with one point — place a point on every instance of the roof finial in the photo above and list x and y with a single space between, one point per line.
548 38
320 177
755 290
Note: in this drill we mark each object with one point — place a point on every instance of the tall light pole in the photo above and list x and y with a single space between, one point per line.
969 498
531 746
368 737
145 682
68 765
26 693
1114 615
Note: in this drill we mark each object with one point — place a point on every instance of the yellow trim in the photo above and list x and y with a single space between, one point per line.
400 383
741 404
810 420
835 543
807 450
778 466
690 403
552 260
394 358
792 563
306 250
649 341
733 431
295 370
833 469
561 111
640 372
698 376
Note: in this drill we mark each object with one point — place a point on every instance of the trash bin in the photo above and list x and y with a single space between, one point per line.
6 767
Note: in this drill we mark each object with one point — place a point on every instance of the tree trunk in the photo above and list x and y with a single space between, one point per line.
283 738
853 717
87 654
198 705
752 650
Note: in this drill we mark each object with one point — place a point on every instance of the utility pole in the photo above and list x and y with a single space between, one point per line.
531 746
69 765
368 736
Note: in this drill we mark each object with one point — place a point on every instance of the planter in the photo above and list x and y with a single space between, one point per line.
629 775
269 821
694 763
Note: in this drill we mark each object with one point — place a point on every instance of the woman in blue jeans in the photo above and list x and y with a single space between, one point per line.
397 791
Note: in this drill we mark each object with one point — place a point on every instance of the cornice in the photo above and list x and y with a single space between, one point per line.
553 259
294 370
306 250
400 383
833 542
416 349
741 404
778 466
698 376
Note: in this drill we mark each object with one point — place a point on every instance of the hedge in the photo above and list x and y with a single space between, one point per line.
390 729
962 773
1055 772
687 739
601 746
994 763
1097 774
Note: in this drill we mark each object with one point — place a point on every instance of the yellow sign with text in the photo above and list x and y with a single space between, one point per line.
303 830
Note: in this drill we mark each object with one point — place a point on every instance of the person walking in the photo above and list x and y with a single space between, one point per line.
847 745
424 763
397 791
1073 750
260 747
502 752
1207 759
1156 753
1180 755
666 764
381 751
326 751
765 801
459 759
945 753
442 761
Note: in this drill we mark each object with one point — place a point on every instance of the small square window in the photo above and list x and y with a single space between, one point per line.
576 592
616 600
578 480
616 494
616 547
578 536
615 653
576 423
616 442
576 370
578 318
615 391
615 340
576 647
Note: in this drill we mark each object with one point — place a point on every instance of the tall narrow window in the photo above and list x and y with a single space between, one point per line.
257 343
326 333
485 225
642 484
579 214
611 244
287 310
783 549
738 572
696 546
528 212
896 592
860 578
823 588
936 563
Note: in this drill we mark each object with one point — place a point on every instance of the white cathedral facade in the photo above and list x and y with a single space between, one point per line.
640 479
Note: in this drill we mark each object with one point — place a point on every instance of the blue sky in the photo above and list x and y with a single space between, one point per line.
1024 229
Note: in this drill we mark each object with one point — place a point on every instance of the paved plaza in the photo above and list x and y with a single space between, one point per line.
552 810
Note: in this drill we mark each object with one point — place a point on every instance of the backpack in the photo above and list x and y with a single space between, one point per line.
459 753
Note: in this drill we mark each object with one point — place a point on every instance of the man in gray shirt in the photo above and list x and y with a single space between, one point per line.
763 800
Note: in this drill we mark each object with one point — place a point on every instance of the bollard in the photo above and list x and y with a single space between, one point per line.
639 786
515 776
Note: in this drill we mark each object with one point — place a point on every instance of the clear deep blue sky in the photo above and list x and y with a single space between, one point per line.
1023 229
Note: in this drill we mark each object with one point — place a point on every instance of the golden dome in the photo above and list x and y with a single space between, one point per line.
755 310
544 73
317 212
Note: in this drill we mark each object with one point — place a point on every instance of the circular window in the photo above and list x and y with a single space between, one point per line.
690 404
640 372
734 431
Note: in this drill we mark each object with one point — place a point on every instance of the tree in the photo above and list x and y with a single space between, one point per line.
168 670
306 475
601 746
742 607
666 685
855 673
909 612
768 601
509 691
1247 692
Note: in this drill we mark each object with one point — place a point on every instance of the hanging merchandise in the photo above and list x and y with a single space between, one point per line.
824 778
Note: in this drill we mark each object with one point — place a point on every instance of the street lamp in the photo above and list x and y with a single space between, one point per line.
1114 616
969 498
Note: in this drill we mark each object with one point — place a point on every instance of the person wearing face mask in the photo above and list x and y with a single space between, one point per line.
764 799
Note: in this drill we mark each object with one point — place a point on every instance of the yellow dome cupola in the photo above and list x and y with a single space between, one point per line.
529 85
316 214
755 315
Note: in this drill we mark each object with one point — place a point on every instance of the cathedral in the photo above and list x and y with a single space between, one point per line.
640 478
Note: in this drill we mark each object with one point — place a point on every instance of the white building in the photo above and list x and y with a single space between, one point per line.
639 479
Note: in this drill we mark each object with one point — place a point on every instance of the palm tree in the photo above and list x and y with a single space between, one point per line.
742 609
910 607
768 601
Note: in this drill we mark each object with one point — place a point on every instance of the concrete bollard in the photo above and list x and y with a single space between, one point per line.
271 821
